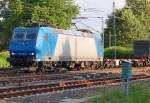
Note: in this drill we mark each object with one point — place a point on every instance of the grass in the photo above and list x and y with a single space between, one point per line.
138 94
3 61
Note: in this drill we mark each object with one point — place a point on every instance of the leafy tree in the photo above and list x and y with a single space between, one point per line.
58 13
141 8
132 23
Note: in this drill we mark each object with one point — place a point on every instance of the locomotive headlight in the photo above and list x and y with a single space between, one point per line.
12 53
31 53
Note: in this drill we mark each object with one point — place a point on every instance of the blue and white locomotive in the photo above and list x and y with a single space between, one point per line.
47 47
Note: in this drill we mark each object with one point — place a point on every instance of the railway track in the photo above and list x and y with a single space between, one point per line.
65 85
49 78
35 79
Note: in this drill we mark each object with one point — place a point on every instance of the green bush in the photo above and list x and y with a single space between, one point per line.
3 61
121 52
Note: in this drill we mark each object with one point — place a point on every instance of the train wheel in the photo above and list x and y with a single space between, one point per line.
40 67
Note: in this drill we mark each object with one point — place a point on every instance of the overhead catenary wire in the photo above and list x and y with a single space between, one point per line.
89 27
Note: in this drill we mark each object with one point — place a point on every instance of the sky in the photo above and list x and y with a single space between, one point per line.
95 8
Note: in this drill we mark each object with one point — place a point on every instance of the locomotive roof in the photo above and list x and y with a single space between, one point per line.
75 33
60 31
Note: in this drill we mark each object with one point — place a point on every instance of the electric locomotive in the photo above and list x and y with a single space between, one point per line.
50 47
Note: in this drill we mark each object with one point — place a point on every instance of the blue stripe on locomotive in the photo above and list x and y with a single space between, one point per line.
46 43
99 46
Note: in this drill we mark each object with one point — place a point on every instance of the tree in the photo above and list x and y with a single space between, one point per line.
132 23
58 13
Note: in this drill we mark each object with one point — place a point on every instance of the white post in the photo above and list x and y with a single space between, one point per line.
103 30
114 25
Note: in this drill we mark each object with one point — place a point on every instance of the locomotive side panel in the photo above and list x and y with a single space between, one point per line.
76 48
65 48
46 44
87 49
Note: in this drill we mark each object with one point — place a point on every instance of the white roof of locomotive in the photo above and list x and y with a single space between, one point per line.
76 33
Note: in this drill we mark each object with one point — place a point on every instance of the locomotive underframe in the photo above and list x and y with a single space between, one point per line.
21 61
29 61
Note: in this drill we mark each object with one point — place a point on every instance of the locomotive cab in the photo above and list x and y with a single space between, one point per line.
22 47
